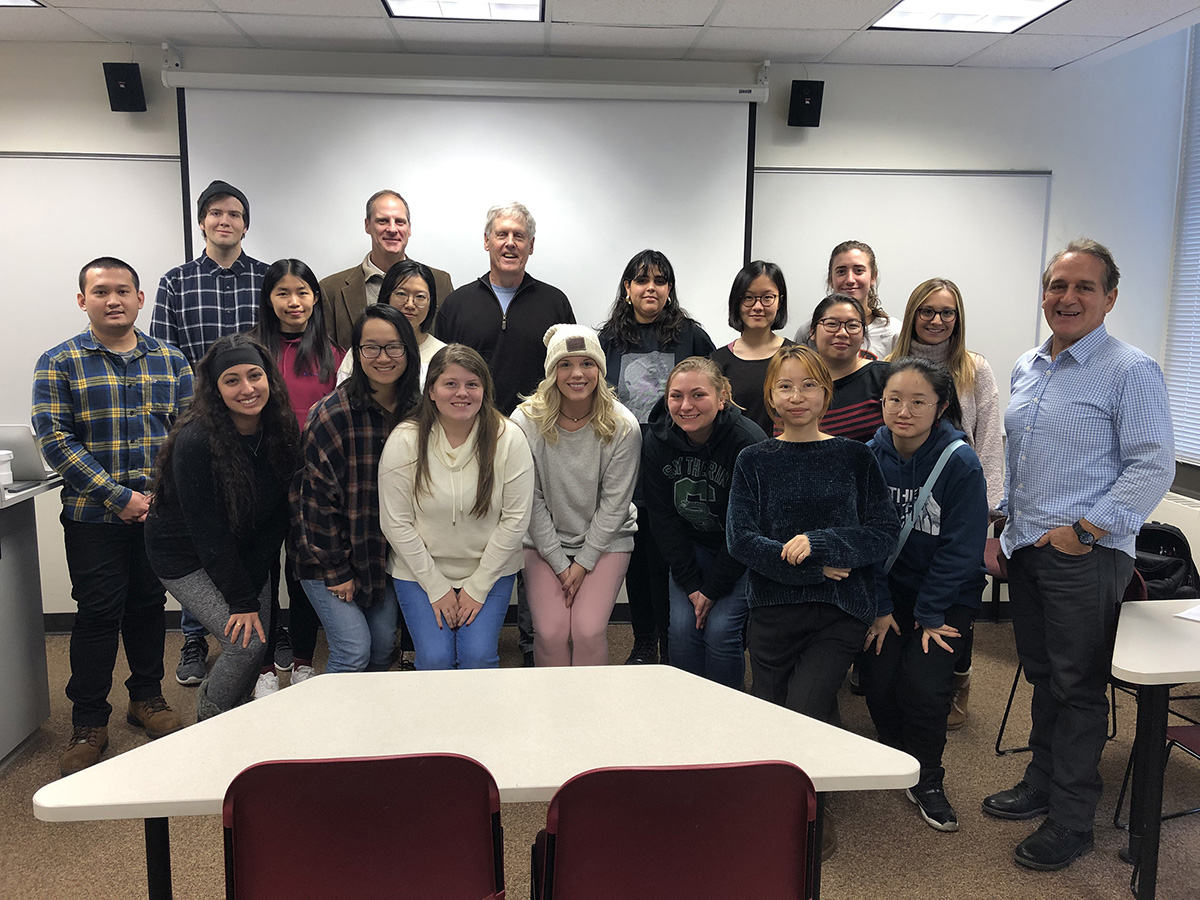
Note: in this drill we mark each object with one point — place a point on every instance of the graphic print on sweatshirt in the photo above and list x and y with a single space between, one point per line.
643 376
930 519
695 487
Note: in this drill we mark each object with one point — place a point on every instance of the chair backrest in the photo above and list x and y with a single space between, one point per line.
719 831
418 826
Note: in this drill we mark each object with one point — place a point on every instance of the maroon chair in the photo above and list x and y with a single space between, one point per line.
713 831
425 827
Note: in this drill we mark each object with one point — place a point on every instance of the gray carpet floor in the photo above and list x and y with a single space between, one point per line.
885 850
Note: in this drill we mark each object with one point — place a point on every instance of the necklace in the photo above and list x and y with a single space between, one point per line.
573 419
257 444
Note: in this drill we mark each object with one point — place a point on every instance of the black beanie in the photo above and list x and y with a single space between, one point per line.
223 187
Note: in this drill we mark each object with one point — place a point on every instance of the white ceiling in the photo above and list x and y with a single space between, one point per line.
784 31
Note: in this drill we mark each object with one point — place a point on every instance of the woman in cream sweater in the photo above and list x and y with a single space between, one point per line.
455 492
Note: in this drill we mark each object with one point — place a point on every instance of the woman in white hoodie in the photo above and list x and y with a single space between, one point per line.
455 492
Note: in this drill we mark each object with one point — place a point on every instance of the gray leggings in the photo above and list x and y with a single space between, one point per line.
232 676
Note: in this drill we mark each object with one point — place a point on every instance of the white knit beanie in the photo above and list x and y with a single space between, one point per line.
572 340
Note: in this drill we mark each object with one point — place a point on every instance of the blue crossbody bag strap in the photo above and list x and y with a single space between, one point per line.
922 498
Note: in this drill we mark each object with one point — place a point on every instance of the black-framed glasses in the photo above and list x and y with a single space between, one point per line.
833 326
767 300
928 312
372 351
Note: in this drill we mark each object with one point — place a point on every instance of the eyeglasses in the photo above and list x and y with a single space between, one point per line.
805 387
767 300
916 407
402 296
833 326
928 312
372 351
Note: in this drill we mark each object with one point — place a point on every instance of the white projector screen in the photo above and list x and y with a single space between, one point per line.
603 179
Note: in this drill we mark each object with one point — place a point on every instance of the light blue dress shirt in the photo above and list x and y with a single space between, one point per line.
1089 436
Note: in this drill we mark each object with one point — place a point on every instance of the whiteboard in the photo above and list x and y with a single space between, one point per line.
985 231
63 211
604 179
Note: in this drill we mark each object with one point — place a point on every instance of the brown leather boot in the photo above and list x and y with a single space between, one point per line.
958 706
84 749
154 715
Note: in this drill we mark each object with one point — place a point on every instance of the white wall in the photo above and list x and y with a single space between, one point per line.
1109 133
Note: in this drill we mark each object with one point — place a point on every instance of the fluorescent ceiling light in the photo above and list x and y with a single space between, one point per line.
993 16
19 3
504 11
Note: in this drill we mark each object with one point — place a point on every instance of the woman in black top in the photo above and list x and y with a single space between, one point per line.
220 512
757 308
646 335
836 331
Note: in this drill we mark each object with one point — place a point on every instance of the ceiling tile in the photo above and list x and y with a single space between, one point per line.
184 29
195 5
318 33
22 24
610 42
472 38
371 9
776 44
633 12
1119 18
1038 51
909 48
844 14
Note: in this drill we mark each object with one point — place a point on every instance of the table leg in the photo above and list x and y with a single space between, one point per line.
816 863
1145 810
158 859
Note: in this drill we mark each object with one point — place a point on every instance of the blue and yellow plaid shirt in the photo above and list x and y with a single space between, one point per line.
100 420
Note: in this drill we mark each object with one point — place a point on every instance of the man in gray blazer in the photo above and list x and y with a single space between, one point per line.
346 294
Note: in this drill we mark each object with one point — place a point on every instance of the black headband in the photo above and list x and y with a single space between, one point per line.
235 356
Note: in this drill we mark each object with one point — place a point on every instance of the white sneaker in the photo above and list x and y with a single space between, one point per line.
268 684
302 673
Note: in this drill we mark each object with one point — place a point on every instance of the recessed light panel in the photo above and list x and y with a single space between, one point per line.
506 11
992 16
19 3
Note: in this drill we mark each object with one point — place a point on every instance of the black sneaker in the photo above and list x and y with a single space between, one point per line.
192 669
933 806
644 652
283 650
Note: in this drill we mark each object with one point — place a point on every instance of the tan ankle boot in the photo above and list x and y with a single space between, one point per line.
958 706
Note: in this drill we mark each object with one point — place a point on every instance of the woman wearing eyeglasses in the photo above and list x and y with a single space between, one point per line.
837 328
757 307
935 328
928 591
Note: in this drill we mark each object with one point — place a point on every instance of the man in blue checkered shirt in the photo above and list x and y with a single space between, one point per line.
197 303
103 403
1090 455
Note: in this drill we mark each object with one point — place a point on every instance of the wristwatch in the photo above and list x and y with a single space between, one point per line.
1085 537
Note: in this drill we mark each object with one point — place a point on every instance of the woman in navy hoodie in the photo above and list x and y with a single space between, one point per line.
695 435
927 599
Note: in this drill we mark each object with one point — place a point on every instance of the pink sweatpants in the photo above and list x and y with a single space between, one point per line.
585 624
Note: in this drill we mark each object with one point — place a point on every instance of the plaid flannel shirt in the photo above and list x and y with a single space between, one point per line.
100 420
199 302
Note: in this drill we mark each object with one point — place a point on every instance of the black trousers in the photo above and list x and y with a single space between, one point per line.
302 618
1064 618
799 654
909 691
646 584
119 598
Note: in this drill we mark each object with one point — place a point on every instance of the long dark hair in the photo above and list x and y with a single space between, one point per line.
314 351
400 273
358 386
939 378
622 324
232 468
490 424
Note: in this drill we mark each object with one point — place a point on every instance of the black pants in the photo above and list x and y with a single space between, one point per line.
646 584
1064 617
118 597
799 653
302 618
909 691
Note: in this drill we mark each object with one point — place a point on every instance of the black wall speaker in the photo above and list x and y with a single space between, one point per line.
804 110
124 82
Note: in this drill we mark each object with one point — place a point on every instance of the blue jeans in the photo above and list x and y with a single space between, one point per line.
715 651
474 646
357 637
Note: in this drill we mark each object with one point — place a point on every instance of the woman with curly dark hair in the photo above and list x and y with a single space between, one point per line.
646 335
220 512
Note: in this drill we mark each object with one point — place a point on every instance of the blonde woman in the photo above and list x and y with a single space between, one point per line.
585 448
455 490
